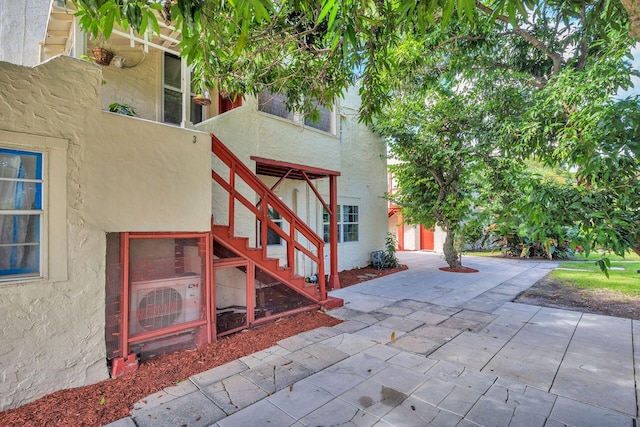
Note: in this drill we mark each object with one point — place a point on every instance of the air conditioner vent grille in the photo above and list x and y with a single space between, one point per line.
159 308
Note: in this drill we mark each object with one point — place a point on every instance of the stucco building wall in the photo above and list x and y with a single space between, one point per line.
22 25
119 174
137 84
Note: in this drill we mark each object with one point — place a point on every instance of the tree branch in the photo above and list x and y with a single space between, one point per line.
582 60
555 57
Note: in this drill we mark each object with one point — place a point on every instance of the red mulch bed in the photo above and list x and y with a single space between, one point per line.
110 400
350 277
459 269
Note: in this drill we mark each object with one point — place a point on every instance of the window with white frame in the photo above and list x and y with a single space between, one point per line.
172 93
275 104
273 238
348 224
350 219
21 213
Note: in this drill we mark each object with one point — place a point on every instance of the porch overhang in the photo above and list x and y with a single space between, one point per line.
286 170
279 169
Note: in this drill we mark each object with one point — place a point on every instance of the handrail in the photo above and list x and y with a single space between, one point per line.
267 199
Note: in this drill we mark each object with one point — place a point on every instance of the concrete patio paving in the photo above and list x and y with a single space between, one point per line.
424 347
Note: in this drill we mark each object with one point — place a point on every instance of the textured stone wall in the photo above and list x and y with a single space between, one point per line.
122 174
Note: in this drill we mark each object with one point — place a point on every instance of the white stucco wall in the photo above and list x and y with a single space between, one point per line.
122 174
354 151
136 84
22 26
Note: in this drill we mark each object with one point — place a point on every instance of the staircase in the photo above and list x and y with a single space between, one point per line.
240 247
243 187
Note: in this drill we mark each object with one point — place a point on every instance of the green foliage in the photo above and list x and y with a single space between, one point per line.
473 233
315 49
468 93
389 259
124 109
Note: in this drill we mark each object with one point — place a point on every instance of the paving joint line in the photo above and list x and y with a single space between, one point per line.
565 355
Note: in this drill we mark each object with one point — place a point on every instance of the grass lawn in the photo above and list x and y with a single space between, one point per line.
594 255
626 281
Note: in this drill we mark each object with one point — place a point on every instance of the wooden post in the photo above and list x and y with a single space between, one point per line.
334 279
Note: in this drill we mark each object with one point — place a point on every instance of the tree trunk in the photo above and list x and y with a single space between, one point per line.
633 9
451 256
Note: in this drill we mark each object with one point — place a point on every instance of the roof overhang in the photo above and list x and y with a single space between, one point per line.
59 35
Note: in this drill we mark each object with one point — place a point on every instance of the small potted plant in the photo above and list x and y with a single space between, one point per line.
98 24
102 55
124 109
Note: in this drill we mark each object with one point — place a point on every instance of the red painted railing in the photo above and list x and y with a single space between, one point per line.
268 199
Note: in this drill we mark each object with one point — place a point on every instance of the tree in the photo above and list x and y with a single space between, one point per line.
564 69
566 58
312 50
445 137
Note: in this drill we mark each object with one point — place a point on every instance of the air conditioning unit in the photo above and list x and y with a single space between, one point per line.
158 304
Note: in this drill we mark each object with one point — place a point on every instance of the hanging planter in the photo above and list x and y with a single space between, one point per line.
102 55
203 99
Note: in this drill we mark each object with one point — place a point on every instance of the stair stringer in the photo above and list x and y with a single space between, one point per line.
239 246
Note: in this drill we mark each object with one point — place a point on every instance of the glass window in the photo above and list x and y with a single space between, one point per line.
350 223
20 213
348 227
325 225
322 122
172 93
274 238
275 104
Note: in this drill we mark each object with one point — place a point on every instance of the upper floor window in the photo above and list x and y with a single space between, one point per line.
173 95
21 213
275 104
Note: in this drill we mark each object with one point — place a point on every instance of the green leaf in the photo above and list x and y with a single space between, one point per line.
332 17
447 12
330 5
108 23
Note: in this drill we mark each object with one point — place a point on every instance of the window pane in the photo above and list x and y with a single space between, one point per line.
273 104
323 122
196 112
273 214
20 195
172 71
350 213
19 259
172 106
20 164
350 233
19 229
19 237
273 238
